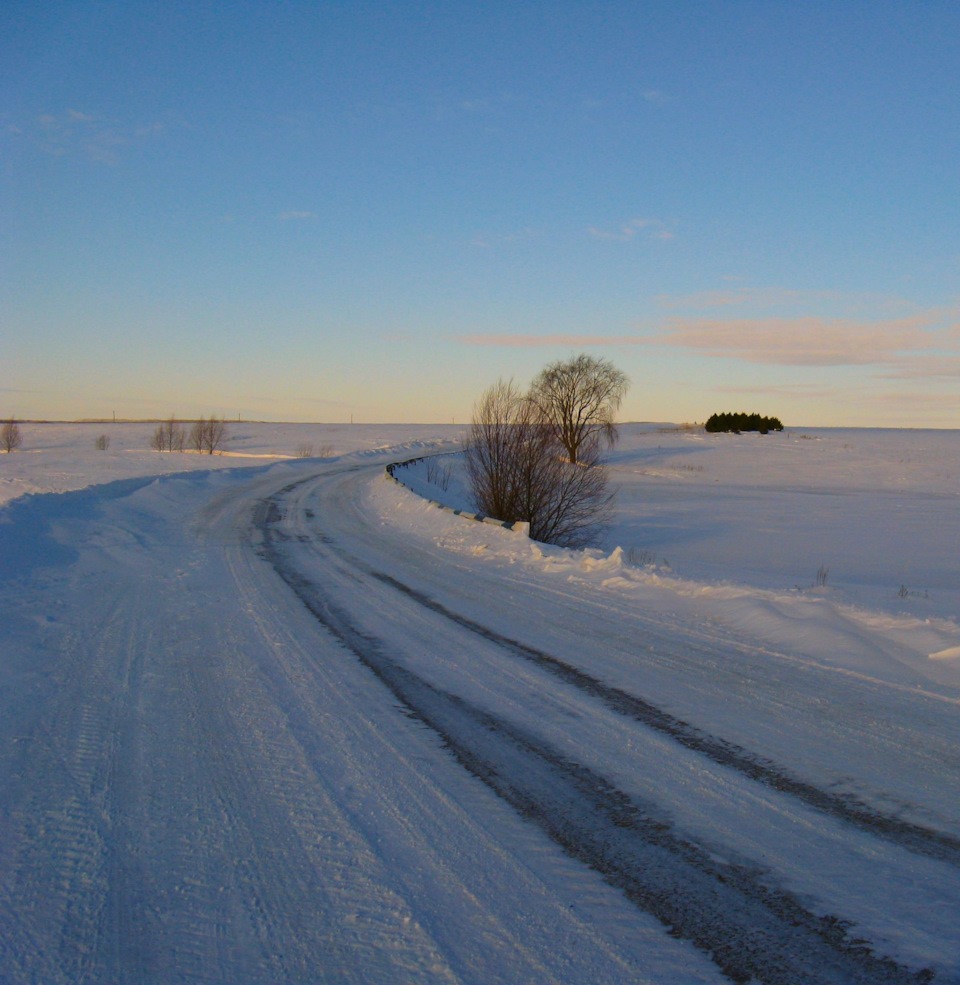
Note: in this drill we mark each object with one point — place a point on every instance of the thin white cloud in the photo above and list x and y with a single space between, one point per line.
75 132
652 228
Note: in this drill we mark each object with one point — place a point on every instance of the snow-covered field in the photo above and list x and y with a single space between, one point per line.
271 719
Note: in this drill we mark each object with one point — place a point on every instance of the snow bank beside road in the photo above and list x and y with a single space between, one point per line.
62 457
818 624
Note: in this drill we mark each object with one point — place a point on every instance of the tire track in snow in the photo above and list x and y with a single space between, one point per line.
57 859
934 844
938 845
752 932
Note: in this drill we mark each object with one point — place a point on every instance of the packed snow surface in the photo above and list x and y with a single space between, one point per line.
270 718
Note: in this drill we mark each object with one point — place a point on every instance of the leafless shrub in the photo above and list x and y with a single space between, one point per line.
10 436
216 434
197 432
494 450
518 471
821 578
641 557
102 442
307 450
175 434
169 436
208 436
438 474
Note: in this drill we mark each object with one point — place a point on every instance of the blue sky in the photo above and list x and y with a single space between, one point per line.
318 211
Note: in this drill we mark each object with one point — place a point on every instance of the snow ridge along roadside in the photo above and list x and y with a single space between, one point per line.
516 525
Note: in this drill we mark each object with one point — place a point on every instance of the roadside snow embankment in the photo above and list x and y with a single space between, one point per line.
432 476
64 457
772 504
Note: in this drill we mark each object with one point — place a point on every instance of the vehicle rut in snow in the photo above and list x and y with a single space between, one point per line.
938 845
728 910
924 841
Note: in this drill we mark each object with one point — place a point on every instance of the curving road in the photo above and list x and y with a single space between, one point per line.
253 732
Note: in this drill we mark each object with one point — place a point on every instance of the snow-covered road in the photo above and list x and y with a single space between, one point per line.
255 732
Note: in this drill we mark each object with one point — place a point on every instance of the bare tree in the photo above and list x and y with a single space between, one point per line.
174 435
208 436
10 437
197 434
169 436
579 398
518 471
158 440
567 504
495 448
216 434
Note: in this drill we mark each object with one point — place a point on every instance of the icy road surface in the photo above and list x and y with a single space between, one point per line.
254 732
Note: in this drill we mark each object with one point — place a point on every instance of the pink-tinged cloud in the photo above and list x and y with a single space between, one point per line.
925 368
805 391
805 341
776 341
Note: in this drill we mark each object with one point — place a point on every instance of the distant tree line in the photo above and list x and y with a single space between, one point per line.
206 435
742 422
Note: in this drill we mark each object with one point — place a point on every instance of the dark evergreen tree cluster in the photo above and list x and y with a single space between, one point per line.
743 422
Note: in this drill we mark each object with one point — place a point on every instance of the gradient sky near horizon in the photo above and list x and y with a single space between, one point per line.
372 210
